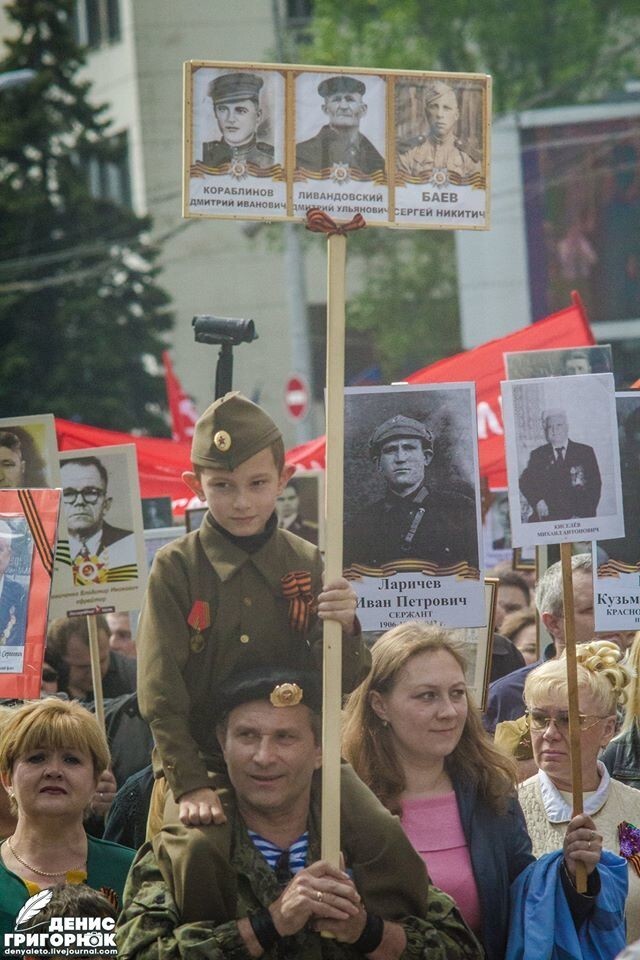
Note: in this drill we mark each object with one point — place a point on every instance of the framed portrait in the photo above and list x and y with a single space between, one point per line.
28 529
563 462
496 530
300 506
412 540
100 562
156 512
193 517
28 452
567 362
616 562
524 558
273 141
478 646
160 537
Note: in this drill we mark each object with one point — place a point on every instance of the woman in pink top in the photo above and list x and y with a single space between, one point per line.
415 739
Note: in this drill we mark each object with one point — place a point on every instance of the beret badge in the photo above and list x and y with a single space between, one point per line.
286 695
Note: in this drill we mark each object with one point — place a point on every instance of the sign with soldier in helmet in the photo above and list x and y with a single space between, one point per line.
272 141
412 529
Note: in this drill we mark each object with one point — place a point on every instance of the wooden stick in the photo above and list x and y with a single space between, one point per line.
332 660
96 675
572 692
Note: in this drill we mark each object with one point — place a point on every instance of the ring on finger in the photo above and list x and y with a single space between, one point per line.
319 896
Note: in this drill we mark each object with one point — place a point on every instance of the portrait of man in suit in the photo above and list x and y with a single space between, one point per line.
96 546
13 597
562 478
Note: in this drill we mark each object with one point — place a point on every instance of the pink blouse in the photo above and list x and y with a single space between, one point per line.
434 828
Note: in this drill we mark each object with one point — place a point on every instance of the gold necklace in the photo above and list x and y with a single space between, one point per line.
42 873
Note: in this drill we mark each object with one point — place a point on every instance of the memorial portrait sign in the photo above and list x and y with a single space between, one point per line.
272 141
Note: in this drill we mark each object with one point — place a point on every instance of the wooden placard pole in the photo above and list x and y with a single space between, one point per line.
572 692
332 636
96 675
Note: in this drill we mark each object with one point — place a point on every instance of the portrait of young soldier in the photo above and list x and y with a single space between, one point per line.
441 150
414 519
289 514
562 478
340 142
236 105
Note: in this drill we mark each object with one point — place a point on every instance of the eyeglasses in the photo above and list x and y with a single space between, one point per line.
540 721
89 495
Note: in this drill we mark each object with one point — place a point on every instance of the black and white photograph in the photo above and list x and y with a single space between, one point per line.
28 452
193 517
412 504
156 512
442 149
340 133
496 530
617 561
567 362
299 506
563 461
100 558
16 553
235 141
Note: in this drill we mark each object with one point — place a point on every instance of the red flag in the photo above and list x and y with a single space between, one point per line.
181 408
485 366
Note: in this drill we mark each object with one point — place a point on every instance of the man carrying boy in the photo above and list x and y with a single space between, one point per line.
238 592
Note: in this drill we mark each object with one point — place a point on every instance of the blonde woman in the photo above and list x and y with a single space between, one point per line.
613 807
52 753
412 734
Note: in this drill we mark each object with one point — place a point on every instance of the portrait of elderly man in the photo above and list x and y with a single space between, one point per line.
562 478
269 893
339 142
441 150
236 105
13 597
414 519
96 546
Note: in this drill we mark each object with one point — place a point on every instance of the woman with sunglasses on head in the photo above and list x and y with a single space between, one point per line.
412 734
612 808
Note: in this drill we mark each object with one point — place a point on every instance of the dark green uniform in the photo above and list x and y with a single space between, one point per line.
151 926
181 668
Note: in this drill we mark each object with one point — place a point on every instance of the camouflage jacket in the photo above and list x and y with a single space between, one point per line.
149 927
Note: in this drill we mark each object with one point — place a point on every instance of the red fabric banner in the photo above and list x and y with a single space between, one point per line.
161 462
484 365
181 407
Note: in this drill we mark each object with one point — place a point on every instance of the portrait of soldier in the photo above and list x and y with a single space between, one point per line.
441 150
339 142
414 519
627 549
21 463
236 105
562 478
96 546
13 597
576 362
289 516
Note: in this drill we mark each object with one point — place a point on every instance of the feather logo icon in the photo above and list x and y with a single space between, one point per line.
33 906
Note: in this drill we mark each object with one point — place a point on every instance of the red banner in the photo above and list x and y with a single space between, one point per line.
181 407
484 365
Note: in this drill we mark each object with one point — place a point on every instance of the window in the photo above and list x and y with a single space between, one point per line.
97 22
298 18
109 179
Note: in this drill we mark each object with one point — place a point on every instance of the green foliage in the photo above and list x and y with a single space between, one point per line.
539 54
80 312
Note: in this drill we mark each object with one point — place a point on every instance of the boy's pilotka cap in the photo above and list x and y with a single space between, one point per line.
230 431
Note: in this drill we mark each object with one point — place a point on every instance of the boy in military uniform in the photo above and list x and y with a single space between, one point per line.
237 592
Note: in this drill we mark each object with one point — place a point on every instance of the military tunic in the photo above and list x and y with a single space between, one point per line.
217 152
438 155
181 667
150 926
328 148
437 526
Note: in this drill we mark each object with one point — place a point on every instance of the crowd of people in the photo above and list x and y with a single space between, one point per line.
195 816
